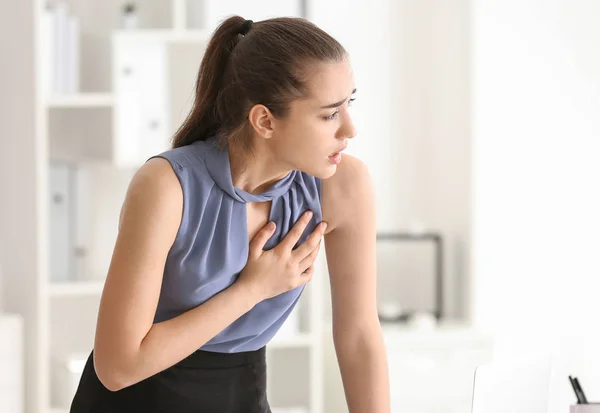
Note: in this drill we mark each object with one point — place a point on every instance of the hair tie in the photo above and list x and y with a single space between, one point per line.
245 27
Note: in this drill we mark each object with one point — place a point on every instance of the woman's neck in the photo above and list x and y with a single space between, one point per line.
255 171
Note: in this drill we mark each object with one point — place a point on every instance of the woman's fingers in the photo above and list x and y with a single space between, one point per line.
309 260
260 239
292 237
311 243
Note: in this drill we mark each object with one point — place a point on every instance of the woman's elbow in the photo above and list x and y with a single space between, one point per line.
111 376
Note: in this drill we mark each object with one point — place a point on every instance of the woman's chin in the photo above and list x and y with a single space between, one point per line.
322 172
327 172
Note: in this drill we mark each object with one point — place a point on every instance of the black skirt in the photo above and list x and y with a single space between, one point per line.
204 382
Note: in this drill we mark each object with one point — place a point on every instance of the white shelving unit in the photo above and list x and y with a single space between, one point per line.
81 100
105 131
75 289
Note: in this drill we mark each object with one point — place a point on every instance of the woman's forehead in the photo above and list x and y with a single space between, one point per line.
330 82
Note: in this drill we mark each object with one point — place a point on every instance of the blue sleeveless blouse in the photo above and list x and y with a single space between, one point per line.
211 246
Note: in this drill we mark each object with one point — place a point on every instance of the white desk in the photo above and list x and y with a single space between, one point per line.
431 370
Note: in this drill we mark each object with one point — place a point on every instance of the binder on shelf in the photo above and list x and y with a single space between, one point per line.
61 46
61 211
80 222
69 217
48 28
72 60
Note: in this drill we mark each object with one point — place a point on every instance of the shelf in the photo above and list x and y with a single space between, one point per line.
81 100
167 35
75 288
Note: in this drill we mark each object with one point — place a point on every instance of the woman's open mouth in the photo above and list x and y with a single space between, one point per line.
336 157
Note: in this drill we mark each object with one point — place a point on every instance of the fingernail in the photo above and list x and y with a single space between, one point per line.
324 225
271 225
309 214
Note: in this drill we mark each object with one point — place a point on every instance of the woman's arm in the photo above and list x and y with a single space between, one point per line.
128 347
349 208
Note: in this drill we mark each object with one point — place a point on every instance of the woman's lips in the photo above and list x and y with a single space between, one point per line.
336 157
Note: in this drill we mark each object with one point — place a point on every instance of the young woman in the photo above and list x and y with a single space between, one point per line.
218 235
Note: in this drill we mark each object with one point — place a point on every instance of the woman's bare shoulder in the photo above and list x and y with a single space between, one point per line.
157 170
344 194
154 184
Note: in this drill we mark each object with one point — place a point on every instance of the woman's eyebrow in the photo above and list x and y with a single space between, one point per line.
336 104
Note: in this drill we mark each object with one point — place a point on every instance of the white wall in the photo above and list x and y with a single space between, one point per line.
411 69
447 147
21 209
411 64
431 137
364 29
536 131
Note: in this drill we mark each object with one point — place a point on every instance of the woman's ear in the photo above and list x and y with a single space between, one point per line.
261 119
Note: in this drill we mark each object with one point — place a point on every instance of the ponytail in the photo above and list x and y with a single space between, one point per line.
203 121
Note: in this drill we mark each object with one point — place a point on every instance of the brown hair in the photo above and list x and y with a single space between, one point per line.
268 65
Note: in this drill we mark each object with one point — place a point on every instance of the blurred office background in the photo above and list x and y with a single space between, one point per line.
479 121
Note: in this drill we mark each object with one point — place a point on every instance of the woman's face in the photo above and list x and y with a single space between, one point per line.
316 128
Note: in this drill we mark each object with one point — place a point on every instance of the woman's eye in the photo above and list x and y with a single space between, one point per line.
332 116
